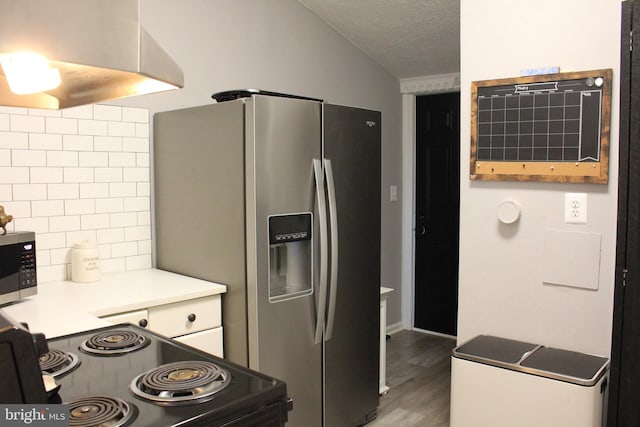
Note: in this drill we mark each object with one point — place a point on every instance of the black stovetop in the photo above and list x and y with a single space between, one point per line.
247 392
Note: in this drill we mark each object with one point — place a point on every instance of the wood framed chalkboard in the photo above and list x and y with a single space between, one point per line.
552 127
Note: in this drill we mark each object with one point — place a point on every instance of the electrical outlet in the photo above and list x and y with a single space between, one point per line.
393 193
575 208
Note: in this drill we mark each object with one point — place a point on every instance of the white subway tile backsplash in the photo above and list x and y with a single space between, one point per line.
5 192
107 112
37 225
28 158
60 256
81 112
137 233
142 160
77 143
144 188
4 122
142 130
61 125
93 159
21 123
47 208
13 110
50 240
124 249
93 190
74 237
144 247
112 264
135 174
45 141
138 145
78 175
44 113
81 173
62 158
107 143
43 258
121 129
79 206
45 175
64 223
124 219
110 235
52 273
63 191
11 175
21 209
29 192
122 189
138 262
137 204
94 222
5 157
139 115
144 218
92 127
109 205
122 160
14 140
108 175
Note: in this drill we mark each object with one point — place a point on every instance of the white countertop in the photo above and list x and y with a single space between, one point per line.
62 308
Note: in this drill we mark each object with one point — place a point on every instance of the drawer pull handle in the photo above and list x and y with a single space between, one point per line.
143 323
191 317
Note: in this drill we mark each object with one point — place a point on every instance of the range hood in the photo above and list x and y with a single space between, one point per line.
98 47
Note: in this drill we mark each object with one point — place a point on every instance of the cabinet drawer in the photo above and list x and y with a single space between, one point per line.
185 317
138 317
209 341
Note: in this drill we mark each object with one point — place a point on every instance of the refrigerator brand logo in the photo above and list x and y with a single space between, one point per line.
291 236
370 123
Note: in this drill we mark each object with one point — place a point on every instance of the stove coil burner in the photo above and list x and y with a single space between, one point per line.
181 383
114 342
57 363
98 411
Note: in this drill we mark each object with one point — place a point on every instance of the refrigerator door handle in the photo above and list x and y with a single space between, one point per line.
322 219
333 218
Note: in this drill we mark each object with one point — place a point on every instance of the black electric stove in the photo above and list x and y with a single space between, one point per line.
124 375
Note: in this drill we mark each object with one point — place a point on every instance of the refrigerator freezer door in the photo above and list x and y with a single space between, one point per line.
351 355
282 139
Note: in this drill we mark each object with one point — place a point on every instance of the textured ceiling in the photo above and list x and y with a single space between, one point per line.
409 38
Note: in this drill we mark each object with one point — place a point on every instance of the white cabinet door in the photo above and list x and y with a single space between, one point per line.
209 341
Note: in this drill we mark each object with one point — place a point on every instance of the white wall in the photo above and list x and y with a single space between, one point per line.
78 174
279 45
501 291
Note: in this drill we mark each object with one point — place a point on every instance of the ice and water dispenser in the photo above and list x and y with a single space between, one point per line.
290 256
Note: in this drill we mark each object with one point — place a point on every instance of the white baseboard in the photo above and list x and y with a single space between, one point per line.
437 334
396 327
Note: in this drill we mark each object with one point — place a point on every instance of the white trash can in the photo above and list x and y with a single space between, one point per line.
497 382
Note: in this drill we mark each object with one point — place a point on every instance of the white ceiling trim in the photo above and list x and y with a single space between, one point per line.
431 84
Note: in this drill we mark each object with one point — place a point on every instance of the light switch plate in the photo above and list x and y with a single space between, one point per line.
393 193
575 208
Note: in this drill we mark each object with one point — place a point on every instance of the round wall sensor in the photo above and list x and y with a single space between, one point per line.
508 212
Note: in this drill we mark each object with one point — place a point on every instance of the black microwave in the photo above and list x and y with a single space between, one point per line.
17 266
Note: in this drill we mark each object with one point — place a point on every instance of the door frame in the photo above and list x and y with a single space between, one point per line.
410 88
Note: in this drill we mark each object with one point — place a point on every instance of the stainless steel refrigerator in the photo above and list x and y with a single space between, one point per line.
279 199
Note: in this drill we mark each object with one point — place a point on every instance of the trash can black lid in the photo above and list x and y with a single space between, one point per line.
494 349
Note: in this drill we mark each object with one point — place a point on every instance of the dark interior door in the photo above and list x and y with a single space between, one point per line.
624 392
437 212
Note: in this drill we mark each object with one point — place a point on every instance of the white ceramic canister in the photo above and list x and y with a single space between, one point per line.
85 262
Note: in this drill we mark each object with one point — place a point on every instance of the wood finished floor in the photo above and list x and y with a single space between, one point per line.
418 376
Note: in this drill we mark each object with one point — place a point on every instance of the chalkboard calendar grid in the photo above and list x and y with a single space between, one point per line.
535 127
